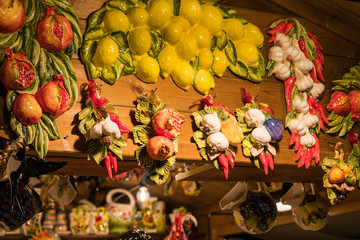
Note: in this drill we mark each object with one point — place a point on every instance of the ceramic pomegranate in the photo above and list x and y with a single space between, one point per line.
27 109
354 97
17 72
53 97
339 103
12 15
54 31
168 123
160 148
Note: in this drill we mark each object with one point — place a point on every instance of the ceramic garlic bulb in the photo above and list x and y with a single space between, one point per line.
261 135
218 142
211 123
254 118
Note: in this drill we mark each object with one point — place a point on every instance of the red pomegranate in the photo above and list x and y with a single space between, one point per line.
160 148
53 97
26 109
168 123
54 31
17 72
354 97
12 15
339 103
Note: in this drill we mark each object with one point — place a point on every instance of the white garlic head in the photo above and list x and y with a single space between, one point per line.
304 65
276 54
261 135
96 131
303 82
293 54
254 118
307 140
282 41
218 142
297 126
311 121
282 71
110 128
211 123
317 89
300 105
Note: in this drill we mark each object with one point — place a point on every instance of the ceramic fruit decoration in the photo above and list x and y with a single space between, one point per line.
344 103
341 176
217 135
19 202
261 131
189 40
12 16
30 68
104 133
296 59
157 136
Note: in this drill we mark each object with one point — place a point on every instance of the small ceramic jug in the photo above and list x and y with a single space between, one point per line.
120 214
255 211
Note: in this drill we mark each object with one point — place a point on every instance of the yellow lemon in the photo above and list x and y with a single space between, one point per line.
220 62
205 59
183 74
139 40
253 35
182 21
204 81
234 28
138 16
160 12
106 53
187 47
211 19
167 60
115 20
190 9
147 69
172 32
247 53
202 36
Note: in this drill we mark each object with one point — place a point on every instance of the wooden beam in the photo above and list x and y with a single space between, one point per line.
327 15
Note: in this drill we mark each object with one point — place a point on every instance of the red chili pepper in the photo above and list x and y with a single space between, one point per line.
264 162
310 157
279 28
302 47
319 69
288 27
270 161
321 56
225 165
299 152
292 139
353 137
106 162
113 162
320 111
313 75
297 143
289 84
304 158
230 158
246 97
209 101
311 105
316 150
312 37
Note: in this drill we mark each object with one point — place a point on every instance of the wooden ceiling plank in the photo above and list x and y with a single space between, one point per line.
325 14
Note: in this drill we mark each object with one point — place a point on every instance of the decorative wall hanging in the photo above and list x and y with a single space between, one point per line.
296 58
104 133
341 176
32 55
217 135
157 136
189 40
344 103
261 130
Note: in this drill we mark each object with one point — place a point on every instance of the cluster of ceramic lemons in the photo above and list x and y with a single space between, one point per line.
191 42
